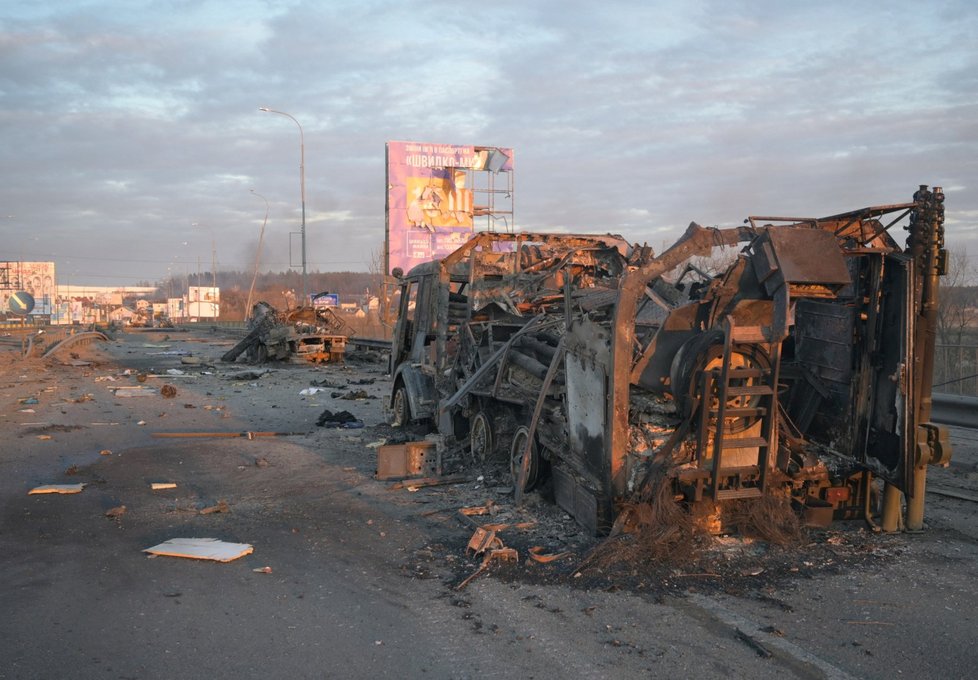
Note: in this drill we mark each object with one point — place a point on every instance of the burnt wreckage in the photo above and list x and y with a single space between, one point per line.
804 368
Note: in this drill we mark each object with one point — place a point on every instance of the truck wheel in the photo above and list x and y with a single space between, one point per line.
520 438
480 437
400 409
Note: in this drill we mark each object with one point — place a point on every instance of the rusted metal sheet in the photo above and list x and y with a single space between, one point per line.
411 459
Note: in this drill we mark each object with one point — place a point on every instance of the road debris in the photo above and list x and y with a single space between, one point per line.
342 419
115 512
430 481
536 553
500 554
263 570
160 486
222 506
201 549
248 375
168 391
410 459
58 488
129 391
224 435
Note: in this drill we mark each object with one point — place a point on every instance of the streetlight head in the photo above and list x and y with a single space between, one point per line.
264 108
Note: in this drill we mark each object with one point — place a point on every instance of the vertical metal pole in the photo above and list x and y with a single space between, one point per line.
302 192
915 504
891 508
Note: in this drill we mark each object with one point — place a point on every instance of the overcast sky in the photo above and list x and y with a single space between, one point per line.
131 135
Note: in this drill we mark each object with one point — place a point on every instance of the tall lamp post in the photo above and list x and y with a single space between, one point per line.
302 190
261 235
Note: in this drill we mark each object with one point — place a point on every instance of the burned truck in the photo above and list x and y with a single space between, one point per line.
803 368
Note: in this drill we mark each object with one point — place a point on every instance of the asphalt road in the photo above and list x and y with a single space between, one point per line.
363 579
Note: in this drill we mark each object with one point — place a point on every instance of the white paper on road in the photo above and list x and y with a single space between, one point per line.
201 549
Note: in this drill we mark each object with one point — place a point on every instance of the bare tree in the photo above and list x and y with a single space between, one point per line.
957 312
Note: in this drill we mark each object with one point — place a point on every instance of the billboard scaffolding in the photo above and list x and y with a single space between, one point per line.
439 194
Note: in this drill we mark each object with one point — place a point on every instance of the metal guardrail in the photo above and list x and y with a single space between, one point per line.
953 409
956 369
371 343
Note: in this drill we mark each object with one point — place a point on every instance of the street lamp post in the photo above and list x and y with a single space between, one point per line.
302 190
261 235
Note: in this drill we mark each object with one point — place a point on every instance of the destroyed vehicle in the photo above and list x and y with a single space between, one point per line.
313 334
803 369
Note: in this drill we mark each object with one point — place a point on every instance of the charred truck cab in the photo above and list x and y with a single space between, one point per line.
804 369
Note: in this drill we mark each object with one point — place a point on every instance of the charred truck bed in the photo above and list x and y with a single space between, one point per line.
803 369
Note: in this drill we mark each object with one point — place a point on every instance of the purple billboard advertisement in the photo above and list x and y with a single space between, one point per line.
430 205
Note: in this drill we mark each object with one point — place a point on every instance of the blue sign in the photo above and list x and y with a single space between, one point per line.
323 300
21 303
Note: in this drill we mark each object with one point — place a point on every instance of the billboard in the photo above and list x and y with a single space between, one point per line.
36 278
203 301
430 206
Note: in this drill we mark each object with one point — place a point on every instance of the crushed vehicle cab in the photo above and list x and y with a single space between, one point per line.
802 369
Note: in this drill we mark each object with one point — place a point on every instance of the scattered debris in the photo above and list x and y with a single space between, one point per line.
57 488
483 539
105 452
133 391
168 391
44 437
159 486
254 374
492 554
71 470
537 555
411 459
117 511
430 481
201 549
263 570
352 395
309 391
225 435
261 462
222 506
326 382
343 419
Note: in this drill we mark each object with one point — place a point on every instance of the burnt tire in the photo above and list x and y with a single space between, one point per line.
400 412
481 439
516 451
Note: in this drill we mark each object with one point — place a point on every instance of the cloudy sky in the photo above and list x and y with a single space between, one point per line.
130 135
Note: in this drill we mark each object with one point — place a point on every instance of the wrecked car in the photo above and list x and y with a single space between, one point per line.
314 334
803 368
